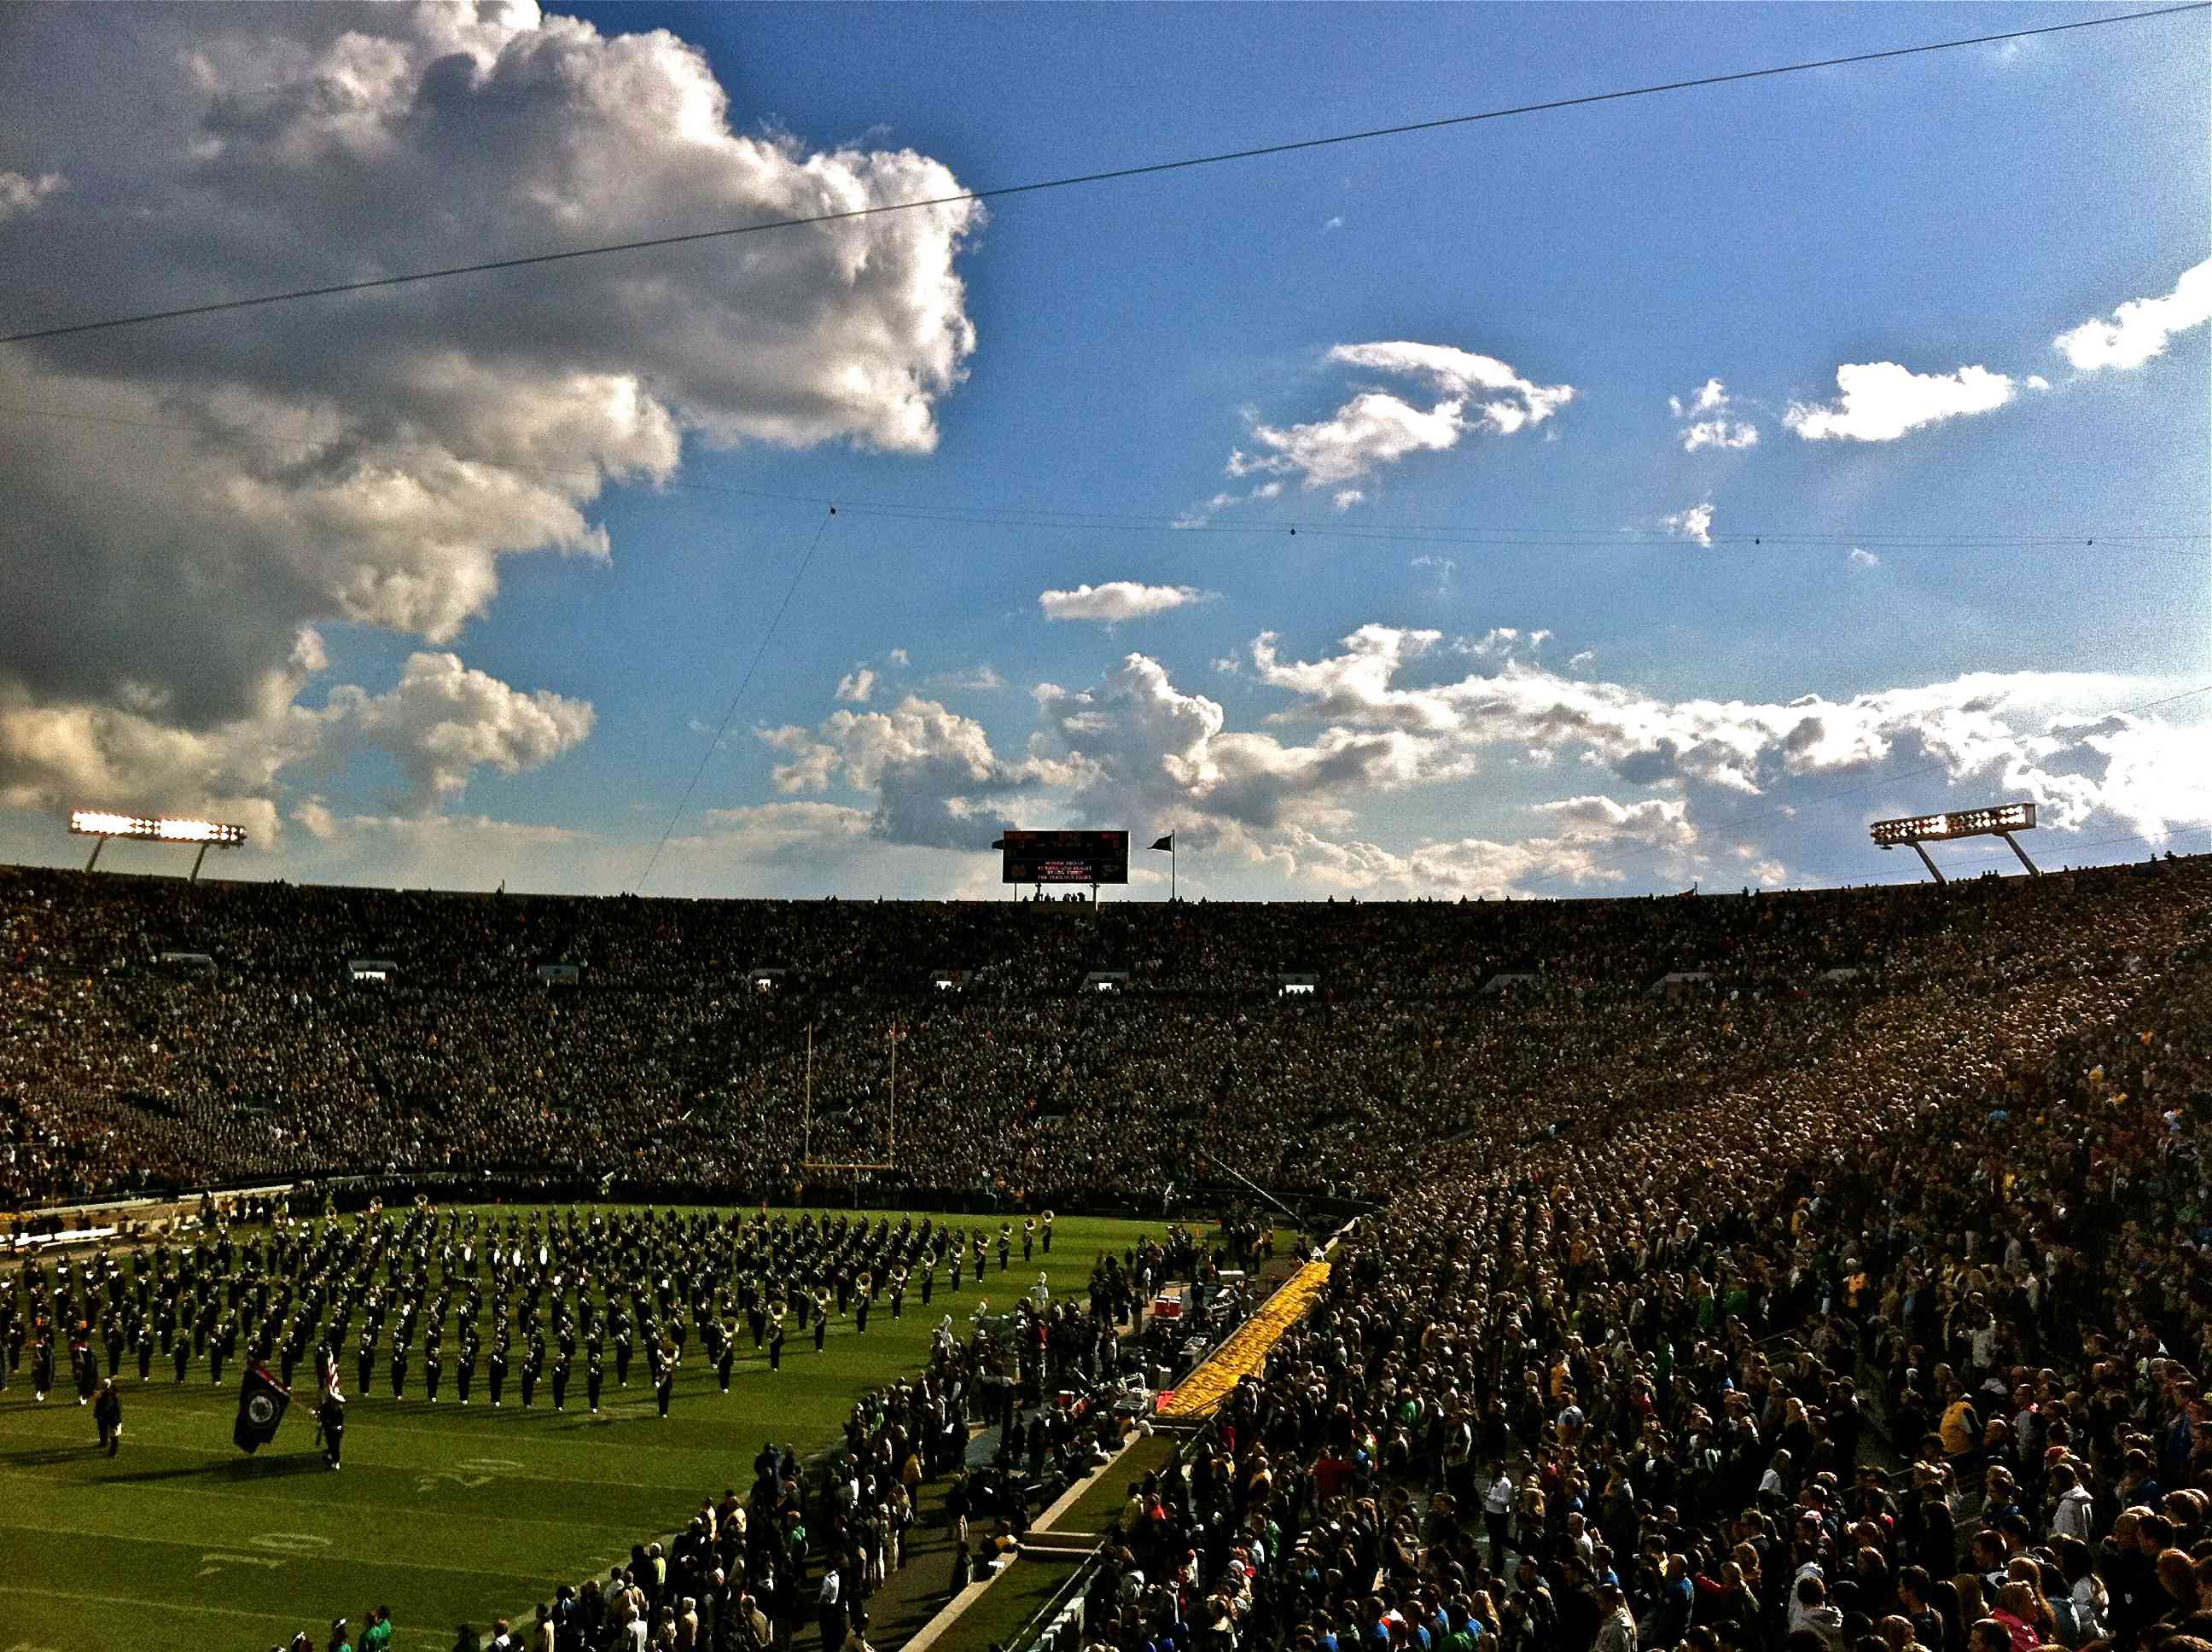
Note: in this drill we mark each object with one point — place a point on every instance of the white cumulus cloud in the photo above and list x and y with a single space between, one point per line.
443 720
938 780
1117 600
1864 558
1703 423
374 462
2018 734
855 687
1377 428
1694 524
1882 401
2141 328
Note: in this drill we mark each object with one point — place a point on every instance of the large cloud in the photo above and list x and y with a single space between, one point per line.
1138 745
2142 327
1588 836
1712 779
937 780
1882 401
2020 733
372 458
443 722
440 723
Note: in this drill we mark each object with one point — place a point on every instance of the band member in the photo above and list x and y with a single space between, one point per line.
433 1368
108 1417
595 1376
331 1415
561 1381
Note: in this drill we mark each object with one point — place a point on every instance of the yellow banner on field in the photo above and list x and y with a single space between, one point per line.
1245 1353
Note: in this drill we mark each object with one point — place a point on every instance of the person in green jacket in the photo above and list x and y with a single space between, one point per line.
378 1635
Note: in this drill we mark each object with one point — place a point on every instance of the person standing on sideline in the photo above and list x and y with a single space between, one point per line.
108 1417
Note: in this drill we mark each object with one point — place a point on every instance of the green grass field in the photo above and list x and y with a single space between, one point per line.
446 1515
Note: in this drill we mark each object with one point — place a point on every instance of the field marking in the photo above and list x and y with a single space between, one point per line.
205 1545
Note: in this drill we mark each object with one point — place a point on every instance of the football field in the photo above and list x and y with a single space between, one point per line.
446 1515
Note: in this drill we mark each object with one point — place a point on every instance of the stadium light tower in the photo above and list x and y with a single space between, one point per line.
155 828
2001 821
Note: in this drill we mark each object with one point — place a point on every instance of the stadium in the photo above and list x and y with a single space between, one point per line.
1218 828
1640 1226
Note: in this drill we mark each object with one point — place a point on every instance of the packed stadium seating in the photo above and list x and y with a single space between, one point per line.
1777 1310
119 1073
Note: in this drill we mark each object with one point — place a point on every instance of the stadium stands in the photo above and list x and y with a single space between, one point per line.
119 1073
1798 1312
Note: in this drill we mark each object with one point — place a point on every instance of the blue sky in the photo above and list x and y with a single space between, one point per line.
451 584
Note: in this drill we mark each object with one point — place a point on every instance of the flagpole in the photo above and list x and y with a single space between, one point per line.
1171 872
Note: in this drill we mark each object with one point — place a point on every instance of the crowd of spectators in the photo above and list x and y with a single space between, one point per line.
1852 1297
668 1058
1896 1346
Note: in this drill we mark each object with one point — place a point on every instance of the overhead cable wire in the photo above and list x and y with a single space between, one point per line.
743 683
1112 174
1049 518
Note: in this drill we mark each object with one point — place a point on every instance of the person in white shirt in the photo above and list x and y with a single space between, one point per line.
2072 1512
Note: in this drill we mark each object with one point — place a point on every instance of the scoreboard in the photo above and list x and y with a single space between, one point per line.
1065 858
